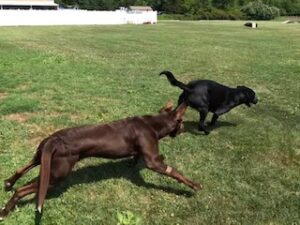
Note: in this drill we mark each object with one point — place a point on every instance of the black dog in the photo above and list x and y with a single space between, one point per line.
209 96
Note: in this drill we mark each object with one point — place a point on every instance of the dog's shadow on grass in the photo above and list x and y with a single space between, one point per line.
105 171
192 126
112 170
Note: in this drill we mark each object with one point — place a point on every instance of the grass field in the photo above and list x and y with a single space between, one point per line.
56 77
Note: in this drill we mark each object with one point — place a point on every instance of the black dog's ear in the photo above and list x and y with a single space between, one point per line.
239 86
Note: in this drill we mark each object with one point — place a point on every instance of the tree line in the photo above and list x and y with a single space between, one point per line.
199 9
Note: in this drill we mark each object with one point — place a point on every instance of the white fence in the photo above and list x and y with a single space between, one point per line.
74 17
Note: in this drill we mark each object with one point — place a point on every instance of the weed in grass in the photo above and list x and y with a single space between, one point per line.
127 218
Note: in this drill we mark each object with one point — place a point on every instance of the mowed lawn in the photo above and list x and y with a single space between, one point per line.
57 77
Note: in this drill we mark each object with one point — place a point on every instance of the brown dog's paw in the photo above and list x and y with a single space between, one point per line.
7 185
3 213
197 187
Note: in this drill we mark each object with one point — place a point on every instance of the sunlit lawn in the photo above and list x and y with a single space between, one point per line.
56 77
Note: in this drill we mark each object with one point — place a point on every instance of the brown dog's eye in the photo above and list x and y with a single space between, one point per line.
179 121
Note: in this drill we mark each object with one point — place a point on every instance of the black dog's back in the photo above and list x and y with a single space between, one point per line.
200 93
206 93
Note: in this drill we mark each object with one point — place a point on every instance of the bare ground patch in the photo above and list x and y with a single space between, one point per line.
3 95
281 158
262 89
23 86
19 117
285 159
38 133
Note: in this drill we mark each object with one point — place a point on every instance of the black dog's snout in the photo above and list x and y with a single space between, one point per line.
255 100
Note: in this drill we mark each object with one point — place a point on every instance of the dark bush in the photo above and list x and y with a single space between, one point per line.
235 14
219 14
260 11
165 16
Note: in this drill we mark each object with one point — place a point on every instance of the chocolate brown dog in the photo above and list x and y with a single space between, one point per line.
131 137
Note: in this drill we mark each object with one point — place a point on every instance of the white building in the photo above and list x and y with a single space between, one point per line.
44 12
28 4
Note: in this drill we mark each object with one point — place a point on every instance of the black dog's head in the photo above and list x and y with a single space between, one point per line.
249 95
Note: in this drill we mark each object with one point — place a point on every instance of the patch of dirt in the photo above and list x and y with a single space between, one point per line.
38 133
285 159
19 117
282 159
262 89
3 95
22 86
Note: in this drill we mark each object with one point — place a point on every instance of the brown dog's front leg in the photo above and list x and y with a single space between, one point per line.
158 165
171 172
155 162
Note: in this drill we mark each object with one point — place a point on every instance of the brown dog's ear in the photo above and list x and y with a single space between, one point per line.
167 108
180 110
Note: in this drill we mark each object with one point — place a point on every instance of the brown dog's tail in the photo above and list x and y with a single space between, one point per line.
175 82
47 152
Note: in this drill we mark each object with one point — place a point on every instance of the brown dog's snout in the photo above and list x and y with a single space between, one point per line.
181 129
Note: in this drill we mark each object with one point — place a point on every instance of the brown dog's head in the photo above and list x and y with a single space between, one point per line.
175 117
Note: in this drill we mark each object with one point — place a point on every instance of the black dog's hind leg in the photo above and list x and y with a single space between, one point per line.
214 119
202 127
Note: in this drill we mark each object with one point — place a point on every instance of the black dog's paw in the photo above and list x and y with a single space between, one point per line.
206 132
210 124
203 129
7 185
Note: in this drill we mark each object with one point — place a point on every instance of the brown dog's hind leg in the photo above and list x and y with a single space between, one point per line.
19 194
9 183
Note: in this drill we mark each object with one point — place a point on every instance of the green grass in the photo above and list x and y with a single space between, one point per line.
56 77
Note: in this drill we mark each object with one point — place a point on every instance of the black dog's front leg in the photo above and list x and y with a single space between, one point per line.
202 127
214 119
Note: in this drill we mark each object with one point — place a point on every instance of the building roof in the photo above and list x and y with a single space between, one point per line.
141 8
28 2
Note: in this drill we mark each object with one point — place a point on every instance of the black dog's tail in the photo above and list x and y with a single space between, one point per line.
175 82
